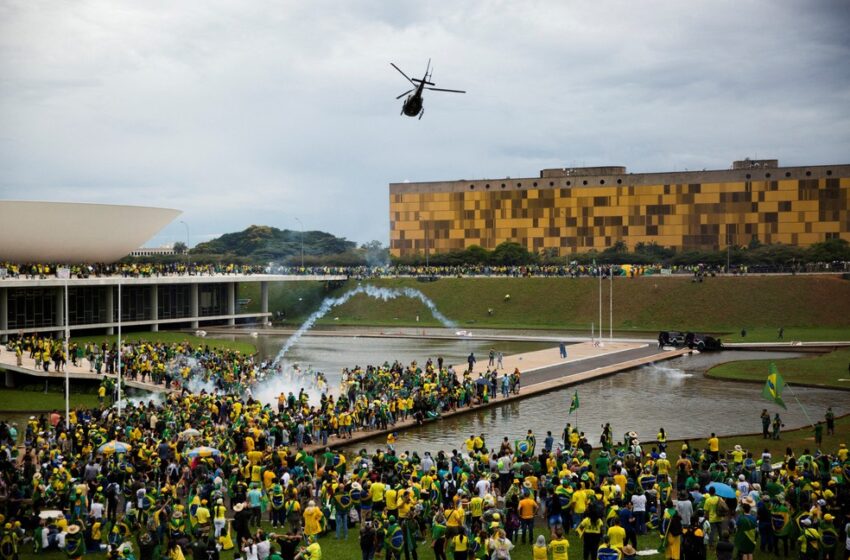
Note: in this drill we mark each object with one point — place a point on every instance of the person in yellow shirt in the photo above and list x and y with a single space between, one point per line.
377 491
714 447
662 465
312 519
539 550
559 546
313 551
268 479
454 520
616 535
460 546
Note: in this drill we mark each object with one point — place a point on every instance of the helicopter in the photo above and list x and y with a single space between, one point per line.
413 105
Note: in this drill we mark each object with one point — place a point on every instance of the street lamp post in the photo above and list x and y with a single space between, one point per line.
302 240
187 245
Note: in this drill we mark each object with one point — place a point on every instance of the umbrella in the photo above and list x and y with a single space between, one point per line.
114 446
203 452
722 490
189 433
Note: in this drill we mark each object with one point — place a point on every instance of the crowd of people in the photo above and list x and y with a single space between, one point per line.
126 270
567 270
211 472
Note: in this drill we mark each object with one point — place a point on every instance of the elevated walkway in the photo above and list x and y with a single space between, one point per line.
8 362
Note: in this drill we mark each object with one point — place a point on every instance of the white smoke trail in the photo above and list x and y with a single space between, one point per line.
383 294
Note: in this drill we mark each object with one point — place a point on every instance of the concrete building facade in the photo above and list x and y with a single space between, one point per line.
575 210
38 305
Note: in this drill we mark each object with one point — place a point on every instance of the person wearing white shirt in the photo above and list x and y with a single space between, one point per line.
96 511
482 487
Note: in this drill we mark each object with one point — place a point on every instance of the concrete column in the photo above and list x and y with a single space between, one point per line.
60 311
193 304
4 313
154 308
264 298
110 309
231 302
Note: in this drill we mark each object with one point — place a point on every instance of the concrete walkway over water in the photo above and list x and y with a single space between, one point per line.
548 372
8 362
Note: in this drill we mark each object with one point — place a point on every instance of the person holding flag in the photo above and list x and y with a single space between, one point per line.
774 386
574 404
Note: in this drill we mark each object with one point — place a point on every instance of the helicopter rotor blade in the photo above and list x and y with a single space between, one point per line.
402 73
448 90
403 94
418 81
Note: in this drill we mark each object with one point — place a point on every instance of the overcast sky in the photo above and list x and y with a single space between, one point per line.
244 112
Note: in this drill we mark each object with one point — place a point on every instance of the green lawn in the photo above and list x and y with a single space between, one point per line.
795 439
821 369
807 307
13 400
170 337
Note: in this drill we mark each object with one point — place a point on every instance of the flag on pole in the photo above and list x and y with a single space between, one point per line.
773 386
574 403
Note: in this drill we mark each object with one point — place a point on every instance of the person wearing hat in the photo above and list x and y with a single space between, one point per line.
629 552
809 540
74 542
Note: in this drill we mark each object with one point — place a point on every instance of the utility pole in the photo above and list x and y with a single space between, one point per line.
66 273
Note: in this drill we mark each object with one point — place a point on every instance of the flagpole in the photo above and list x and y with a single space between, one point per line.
611 303
599 273
788 386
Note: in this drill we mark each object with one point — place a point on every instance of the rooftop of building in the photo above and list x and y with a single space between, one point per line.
612 175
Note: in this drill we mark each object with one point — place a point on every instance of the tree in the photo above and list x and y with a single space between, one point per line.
829 250
511 253
180 248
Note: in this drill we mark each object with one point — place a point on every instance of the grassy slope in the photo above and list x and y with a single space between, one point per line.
824 369
12 400
807 307
169 337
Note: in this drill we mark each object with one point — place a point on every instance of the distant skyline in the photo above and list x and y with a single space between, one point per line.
250 112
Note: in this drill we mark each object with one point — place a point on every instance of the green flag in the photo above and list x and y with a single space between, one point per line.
574 403
773 387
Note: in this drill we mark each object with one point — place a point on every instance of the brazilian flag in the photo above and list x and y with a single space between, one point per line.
780 519
395 537
773 387
523 447
574 403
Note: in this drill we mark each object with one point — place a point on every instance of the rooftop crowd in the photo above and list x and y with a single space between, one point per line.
213 473
572 270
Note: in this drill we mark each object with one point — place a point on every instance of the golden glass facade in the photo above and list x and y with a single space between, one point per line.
571 213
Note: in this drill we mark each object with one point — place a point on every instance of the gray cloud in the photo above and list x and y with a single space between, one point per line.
260 112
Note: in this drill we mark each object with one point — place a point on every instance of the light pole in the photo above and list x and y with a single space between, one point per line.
119 348
302 240
187 245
